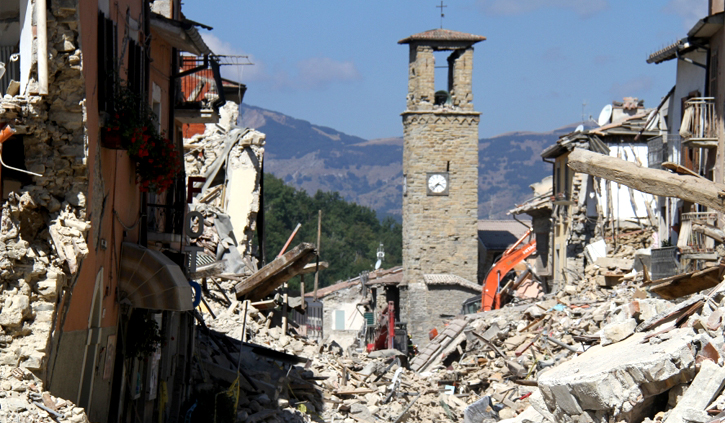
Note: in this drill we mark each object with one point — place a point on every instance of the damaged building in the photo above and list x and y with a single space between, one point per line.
582 209
93 249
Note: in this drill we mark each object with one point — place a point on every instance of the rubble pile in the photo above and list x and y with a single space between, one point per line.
23 399
593 352
44 220
227 159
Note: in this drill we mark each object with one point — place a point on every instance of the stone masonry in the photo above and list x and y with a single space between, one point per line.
44 224
439 232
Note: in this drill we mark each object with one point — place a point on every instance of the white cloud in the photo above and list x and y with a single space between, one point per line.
631 88
690 11
319 72
583 8
309 74
244 73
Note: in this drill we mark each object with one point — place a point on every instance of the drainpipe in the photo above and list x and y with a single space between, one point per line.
42 28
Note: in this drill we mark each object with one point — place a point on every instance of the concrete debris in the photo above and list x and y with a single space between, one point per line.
591 353
22 398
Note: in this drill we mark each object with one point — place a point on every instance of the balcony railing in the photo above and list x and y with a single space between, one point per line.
699 128
198 97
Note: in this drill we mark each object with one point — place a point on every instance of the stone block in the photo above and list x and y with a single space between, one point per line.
619 379
704 388
612 263
529 415
15 310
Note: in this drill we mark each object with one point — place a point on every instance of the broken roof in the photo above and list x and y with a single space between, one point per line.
500 234
697 37
180 34
597 139
323 292
445 35
671 51
394 275
445 279
540 202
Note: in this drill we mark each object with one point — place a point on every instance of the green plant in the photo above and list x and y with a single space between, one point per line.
157 160
143 335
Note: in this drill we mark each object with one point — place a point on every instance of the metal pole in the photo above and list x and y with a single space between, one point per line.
319 231
302 291
297 228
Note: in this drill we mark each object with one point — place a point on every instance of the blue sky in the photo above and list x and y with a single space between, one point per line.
337 63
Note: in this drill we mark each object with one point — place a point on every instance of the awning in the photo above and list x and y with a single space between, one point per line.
148 279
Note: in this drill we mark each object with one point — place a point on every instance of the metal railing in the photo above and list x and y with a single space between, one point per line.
12 68
699 126
197 88
656 152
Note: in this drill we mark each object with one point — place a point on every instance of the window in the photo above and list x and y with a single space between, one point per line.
339 319
106 62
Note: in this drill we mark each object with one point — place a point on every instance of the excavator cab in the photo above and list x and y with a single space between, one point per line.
492 289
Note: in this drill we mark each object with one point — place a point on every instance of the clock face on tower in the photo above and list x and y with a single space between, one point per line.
437 183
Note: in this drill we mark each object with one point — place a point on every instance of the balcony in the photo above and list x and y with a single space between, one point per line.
694 245
699 127
197 95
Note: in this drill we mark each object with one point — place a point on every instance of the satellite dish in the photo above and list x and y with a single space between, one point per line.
579 128
378 264
605 115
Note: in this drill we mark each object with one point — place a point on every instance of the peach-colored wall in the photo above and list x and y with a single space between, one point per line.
120 190
159 74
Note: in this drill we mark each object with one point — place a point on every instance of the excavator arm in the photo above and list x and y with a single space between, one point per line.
490 296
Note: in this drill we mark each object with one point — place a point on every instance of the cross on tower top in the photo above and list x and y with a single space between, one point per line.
442 15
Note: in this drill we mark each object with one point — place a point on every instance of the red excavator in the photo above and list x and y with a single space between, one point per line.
491 294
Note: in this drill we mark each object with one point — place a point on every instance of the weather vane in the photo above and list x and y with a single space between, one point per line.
442 15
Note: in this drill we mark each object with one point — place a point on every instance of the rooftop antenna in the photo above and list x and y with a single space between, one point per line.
584 115
442 15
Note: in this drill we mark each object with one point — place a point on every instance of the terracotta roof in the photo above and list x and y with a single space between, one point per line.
380 276
445 279
442 35
388 277
668 52
323 292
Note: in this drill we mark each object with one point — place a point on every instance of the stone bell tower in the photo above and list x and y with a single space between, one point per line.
440 168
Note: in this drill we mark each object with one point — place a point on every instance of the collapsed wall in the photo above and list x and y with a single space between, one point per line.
230 158
44 223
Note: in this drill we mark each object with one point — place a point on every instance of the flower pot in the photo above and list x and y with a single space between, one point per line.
112 140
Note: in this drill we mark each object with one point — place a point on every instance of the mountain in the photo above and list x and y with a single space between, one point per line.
369 172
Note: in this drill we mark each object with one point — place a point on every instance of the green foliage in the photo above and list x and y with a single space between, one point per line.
143 335
351 233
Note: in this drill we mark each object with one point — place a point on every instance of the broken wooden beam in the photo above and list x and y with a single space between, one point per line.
652 181
679 286
711 231
273 275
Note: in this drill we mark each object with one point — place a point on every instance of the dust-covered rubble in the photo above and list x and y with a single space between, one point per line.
591 353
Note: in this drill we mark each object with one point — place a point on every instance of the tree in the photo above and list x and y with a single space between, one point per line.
351 233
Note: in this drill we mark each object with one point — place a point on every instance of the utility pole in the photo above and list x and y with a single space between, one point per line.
319 230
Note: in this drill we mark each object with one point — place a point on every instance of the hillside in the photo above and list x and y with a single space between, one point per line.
351 234
369 172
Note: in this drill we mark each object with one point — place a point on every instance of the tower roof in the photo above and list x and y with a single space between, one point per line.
445 35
